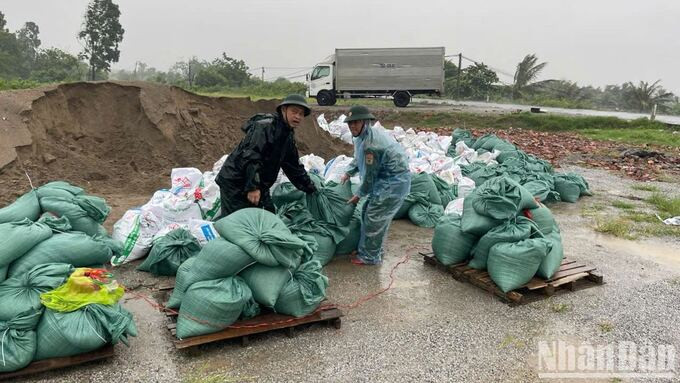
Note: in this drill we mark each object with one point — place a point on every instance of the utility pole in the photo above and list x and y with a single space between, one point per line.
262 74
460 63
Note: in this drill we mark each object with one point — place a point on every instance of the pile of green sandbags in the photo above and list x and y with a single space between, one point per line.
535 174
33 332
261 261
427 198
504 228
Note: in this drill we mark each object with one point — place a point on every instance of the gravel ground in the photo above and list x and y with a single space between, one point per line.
428 327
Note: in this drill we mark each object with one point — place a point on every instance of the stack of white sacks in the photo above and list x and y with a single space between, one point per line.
191 203
193 200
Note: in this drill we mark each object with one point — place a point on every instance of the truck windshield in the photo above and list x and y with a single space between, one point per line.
320 72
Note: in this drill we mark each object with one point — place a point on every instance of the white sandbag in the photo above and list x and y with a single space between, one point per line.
203 231
465 186
185 180
323 124
171 208
313 164
420 165
207 196
452 176
218 165
489 158
136 230
455 207
336 168
440 162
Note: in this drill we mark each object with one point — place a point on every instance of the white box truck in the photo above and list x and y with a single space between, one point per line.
378 72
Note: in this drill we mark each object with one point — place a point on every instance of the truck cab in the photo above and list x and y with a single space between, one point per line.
320 84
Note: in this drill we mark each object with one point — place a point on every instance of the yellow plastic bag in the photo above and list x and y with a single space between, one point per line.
85 286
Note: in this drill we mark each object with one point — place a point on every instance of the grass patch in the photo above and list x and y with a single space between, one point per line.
617 227
513 341
560 308
669 206
643 135
645 187
606 327
659 229
623 205
636 216
592 210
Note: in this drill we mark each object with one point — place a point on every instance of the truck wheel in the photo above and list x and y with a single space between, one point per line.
402 99
324 98
334 99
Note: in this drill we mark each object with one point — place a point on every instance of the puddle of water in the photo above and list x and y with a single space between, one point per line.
663 254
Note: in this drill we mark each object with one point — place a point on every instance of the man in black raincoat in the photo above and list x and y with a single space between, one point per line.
269 145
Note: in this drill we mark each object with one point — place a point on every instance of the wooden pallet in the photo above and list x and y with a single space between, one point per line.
56 363
571 276
265 322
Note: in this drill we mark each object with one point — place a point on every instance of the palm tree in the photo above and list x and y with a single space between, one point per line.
527 71
645 95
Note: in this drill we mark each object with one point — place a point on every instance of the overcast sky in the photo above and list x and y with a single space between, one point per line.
594 42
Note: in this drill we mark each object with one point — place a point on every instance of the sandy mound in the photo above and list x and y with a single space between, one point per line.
117 137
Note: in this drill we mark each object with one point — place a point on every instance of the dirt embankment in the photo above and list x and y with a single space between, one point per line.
112 137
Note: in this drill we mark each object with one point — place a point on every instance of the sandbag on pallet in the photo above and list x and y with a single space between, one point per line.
501 198
217 259
425 214
266 282
22 292
19 340
511 265
210 306
329 203
75 248
87 329
450 244
303 293
264 237
511 231
17 238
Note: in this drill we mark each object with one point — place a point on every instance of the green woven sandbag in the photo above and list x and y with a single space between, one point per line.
450 244
501 198
17 238
169 252
571 186
508 154
329 203
551 263
57 224
481 175
481 141
60 189
211 306
263 236
462 135
285 193
512 265
406 205
218 259
538 188
266 282
181 282
511 231
471 168
447 192
77 249
26 206
84 330
303 293
423 183
425 214
475 223
545 221
301 222
85 213
351 241
22 293
18 340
